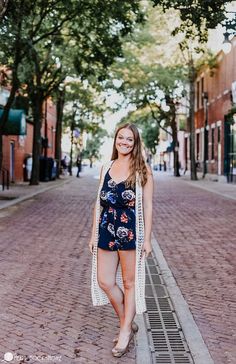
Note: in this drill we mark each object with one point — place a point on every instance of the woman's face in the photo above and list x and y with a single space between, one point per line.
125 141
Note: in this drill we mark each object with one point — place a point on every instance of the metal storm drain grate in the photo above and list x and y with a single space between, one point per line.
167 342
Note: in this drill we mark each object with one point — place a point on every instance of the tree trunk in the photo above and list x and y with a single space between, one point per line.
174 134
175 140
37 106
3 8
191 120
60 105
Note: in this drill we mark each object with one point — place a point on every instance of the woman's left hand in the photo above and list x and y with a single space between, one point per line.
147 248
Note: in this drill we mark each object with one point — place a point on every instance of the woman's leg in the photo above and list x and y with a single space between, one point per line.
107 267
127 260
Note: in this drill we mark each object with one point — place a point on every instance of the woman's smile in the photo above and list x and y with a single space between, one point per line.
125 141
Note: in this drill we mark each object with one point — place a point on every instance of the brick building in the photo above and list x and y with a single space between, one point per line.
16 148
214 105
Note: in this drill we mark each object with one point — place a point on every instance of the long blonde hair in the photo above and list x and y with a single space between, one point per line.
137 163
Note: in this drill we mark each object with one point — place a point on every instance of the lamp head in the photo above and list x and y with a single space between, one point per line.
227 45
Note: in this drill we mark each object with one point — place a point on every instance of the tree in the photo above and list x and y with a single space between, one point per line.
3 7
84 113
92 150
150 79
199 15
196 17
84 34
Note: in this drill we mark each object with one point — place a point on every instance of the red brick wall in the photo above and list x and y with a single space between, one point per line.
51 126
218 86
23 145
22 148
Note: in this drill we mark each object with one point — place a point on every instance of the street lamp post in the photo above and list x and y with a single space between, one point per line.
230 29
232 164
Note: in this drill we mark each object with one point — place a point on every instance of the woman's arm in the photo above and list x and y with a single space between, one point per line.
147 209
91 241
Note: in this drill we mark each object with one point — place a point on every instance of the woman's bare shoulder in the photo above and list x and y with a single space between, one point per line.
149 169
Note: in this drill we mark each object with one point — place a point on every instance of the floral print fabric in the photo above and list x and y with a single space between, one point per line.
117 220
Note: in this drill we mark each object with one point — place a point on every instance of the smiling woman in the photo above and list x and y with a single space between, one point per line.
121 233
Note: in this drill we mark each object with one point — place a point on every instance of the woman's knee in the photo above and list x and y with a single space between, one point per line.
128 283
106 285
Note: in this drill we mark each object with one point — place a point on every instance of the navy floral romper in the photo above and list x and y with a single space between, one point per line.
117 220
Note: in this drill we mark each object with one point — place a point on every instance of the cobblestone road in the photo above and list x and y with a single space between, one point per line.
45 270
197 232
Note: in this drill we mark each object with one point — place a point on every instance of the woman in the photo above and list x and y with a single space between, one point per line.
119 241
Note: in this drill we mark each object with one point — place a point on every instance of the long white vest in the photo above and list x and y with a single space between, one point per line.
98 295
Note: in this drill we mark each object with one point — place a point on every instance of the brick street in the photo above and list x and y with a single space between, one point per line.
45 271
197 233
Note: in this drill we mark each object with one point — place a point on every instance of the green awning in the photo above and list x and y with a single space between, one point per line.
16 124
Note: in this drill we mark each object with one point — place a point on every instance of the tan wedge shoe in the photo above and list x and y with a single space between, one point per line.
134 328
118 352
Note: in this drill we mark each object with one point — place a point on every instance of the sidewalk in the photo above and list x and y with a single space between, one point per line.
220 187
22 191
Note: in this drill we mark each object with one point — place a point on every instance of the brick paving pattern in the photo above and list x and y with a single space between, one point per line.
45 269
197 232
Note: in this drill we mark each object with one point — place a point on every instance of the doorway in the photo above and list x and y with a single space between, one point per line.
12 161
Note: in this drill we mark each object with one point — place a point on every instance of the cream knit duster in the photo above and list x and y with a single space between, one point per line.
98 295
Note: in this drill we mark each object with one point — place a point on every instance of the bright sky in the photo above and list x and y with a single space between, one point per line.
216 36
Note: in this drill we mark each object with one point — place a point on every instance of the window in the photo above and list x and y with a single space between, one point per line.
202 92
198 94
207 135
218 134
212 143
198 146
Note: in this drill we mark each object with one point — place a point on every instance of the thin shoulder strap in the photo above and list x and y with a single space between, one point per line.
105 168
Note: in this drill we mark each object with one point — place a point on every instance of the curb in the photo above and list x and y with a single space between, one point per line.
143 352
210 190
30 195
194 339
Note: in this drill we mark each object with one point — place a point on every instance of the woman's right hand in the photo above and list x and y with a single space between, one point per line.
91 245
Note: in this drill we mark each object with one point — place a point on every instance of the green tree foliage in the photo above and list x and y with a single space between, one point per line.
199 14
3 7
96 137
152 79
196 17
55 38
88 103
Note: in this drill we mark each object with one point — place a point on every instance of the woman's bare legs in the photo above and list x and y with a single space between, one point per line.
127 261
107 267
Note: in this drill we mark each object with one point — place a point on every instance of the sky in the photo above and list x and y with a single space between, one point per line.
216 36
